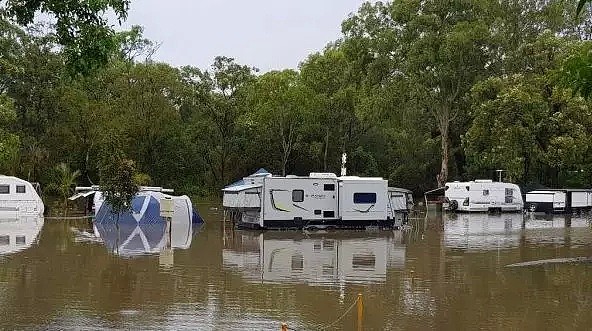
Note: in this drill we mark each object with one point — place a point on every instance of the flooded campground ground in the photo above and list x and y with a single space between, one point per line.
443 272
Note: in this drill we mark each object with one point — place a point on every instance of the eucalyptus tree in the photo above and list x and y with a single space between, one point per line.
9 141
528 123
217 100
81 27
329 76
279 106
438 49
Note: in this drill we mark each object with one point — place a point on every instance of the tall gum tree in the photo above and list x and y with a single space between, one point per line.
280 104
438 49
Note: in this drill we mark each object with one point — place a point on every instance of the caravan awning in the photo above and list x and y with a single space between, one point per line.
82 194
398 189
435 190
240 188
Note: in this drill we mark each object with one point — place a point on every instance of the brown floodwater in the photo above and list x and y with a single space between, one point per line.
446 272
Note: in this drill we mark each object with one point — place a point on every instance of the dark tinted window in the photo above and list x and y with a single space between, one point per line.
364 197
4 189
297 195
317 212
297 262
328 213
4 240
329 187
20 189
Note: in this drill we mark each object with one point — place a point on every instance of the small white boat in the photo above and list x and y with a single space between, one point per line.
19 198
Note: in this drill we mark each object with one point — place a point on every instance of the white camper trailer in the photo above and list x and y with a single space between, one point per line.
559 201
18 198
483 196
317 200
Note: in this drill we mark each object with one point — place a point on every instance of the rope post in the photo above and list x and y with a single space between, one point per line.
284 327
360 304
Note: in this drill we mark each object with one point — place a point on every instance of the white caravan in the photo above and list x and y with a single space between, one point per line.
483 196
559 201
18 198
317 200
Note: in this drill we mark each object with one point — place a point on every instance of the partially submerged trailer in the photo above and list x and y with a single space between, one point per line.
19 198
483 195
559 200
318 200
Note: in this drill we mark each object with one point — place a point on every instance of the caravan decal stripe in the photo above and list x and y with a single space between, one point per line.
273 202
299 207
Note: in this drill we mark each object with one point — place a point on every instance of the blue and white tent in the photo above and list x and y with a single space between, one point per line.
145 209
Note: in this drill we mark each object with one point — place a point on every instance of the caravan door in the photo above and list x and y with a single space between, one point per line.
363 199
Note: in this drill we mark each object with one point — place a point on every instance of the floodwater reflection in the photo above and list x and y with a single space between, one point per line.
481 231
443 273
327 259
19 234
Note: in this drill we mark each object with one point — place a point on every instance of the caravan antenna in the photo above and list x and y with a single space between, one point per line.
499 174
343 160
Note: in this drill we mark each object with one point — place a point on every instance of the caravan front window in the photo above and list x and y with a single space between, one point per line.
298 195
4 189
364 197
485 193
20 189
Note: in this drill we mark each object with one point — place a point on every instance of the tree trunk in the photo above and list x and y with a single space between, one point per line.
443 124
326 150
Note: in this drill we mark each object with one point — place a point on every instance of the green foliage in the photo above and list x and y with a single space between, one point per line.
118 180
80 26
9 142
63 181
414 91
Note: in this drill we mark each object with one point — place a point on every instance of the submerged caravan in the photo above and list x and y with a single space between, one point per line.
480 195
19 198
320 200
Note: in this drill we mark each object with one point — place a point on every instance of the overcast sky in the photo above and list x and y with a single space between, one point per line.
267 34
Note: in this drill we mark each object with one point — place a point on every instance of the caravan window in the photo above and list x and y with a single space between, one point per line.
20 189
485 193
4 189
329 187
509 192
298 195
364 197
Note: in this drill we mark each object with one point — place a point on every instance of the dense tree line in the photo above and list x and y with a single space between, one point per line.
419 92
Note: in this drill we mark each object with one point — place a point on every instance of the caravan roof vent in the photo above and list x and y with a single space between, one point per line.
291 176
322 175
483 181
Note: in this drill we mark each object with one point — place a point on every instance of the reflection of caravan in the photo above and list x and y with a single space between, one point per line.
480 231
483 196
321 199
18 198
324 260
558 201
19 234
